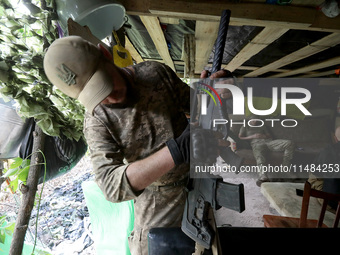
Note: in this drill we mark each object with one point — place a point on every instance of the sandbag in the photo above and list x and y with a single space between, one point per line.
13 130
111 223
16 140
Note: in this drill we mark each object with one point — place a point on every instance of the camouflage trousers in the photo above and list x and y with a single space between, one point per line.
261 147
157 206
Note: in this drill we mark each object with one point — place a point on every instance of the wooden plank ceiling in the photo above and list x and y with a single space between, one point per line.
275 21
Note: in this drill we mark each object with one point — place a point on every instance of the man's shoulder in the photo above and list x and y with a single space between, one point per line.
100 118
90 120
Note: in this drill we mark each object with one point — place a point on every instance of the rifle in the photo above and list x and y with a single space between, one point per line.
211 191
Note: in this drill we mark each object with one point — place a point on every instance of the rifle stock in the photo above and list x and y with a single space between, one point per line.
205 193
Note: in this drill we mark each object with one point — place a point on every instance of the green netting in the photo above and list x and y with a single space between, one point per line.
111 222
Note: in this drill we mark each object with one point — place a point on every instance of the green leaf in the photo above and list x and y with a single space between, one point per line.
13 168
22 176
2 220
14 185
16 163
2 236
10 228
31 7
11 172
20 46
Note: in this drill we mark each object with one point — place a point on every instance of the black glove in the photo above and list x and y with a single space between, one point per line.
180 147
204 146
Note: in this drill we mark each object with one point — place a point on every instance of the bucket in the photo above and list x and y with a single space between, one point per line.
101 16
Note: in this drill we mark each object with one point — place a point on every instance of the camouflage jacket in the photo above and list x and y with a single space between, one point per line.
121 134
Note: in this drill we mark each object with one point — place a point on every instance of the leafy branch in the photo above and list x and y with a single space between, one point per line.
23 38
19 169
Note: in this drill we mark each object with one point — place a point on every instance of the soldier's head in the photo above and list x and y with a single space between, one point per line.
253 119
84 71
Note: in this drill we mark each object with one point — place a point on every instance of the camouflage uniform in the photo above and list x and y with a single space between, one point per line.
261 146
121 134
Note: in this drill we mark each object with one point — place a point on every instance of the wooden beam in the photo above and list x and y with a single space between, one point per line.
167 20
156 33
205 34
136 7
318 74
188 55
141 7
251 68
259 14
320 65
313 48
134 53
261 41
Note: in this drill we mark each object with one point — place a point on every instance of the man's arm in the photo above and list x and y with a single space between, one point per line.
144 172
108 162
243 134
254 136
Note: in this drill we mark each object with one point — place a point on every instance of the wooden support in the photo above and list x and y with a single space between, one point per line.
134 53
259 14
206 34
316 66
28 197
261 41
188 55
318 74
313 48
167 20
155 31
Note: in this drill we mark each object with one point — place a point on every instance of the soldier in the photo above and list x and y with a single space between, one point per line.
261 141
135 127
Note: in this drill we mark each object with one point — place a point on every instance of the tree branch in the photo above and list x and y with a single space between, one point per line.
28 198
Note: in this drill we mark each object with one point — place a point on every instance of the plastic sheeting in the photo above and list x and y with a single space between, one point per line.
111 223
173 33
13 130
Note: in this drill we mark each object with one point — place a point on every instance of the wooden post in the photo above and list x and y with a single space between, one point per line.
28 193
188 55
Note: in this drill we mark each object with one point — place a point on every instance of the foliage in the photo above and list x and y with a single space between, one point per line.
5 228
17 173
22 40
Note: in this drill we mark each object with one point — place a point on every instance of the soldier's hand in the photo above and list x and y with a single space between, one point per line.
180 147
204 146
219 74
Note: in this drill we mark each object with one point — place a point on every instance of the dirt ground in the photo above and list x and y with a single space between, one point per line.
256 205
8 202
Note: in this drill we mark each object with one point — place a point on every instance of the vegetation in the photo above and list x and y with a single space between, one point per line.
25 30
